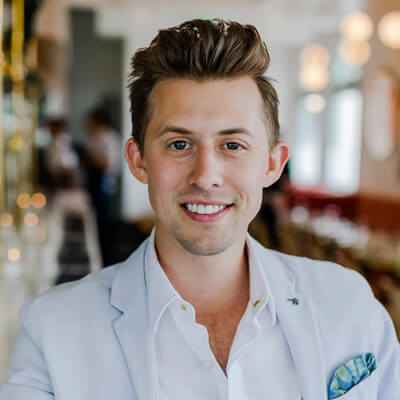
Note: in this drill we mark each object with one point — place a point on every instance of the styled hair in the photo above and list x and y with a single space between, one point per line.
200 50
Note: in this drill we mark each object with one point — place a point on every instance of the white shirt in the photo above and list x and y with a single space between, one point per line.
259 365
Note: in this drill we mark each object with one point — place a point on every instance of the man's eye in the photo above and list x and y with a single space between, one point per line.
233 146
179 145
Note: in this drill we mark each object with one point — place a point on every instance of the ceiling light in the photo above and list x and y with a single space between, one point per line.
39 200
314 77
357 26
14 254
314 103
315 54
354 53
24 200
389 30
6 220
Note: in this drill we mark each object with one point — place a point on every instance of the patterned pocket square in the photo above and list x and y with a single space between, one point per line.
350 374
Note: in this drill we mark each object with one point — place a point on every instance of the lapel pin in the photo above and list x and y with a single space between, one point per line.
294 301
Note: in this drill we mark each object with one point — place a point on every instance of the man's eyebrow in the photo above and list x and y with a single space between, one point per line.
184 131
232 131
175 129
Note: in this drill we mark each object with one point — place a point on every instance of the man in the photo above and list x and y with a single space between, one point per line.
201 310
102 164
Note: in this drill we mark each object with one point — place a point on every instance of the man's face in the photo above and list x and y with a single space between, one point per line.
206 160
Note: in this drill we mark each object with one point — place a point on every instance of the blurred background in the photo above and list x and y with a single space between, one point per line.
68 205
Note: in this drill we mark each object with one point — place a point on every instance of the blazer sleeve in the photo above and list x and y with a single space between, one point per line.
388 358
28 376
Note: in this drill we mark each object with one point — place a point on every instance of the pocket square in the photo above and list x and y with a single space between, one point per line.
351 374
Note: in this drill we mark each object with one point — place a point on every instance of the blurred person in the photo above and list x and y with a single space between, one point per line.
103 159
201 310
61 161
274 204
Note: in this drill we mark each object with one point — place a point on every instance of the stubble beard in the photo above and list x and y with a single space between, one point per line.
203 245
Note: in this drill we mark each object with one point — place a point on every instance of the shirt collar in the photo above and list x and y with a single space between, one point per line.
260 292
161 293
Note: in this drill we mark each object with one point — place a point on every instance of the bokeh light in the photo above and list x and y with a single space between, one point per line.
354 53
39 200
6 220
357 26
389 30
24 200
31 219
315 54
15 143
14 254
314 77
314 103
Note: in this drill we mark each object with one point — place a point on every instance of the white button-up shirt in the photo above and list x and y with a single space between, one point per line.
259 365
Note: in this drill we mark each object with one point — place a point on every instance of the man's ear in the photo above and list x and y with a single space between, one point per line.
278 157
136 163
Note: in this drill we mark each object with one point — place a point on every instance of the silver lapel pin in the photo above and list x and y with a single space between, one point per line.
294 301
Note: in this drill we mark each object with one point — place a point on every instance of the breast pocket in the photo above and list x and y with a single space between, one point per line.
366 389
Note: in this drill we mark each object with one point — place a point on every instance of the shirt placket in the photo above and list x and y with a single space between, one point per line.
196 336
249 331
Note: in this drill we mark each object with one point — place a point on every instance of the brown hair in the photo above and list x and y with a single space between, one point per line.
200 49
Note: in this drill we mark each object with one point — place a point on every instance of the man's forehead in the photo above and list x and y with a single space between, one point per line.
214 107
189 94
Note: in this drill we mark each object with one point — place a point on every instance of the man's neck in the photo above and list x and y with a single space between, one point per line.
206 281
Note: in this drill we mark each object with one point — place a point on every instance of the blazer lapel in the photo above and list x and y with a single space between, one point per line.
296 317
128 294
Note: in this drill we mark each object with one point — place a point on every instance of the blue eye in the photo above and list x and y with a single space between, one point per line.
233 146
179 145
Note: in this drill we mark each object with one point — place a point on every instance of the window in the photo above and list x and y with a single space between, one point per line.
327 145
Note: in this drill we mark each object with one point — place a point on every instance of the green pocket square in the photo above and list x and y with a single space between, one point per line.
350 374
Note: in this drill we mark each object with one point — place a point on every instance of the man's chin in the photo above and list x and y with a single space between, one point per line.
205 246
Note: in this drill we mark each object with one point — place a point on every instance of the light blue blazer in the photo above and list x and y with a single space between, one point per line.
91 340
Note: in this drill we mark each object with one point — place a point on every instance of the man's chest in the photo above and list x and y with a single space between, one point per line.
221 330
253 357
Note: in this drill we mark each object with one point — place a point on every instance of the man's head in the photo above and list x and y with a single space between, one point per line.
57 126
201 50
206 140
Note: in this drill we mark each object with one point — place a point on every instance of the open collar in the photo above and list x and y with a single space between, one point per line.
161 293
297 320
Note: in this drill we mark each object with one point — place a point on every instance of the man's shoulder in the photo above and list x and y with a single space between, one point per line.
93 288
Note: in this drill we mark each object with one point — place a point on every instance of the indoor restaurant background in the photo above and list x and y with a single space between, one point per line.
65 63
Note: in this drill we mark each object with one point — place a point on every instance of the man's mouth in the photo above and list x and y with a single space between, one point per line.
208 209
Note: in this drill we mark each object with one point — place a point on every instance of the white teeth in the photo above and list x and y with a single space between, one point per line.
210 209
204 208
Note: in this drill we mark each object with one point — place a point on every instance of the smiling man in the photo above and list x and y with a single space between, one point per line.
201 310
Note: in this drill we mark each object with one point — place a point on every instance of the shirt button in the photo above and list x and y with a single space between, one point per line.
209 364
256 303
183 307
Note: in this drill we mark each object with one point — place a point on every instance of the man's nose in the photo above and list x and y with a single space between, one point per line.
207 169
